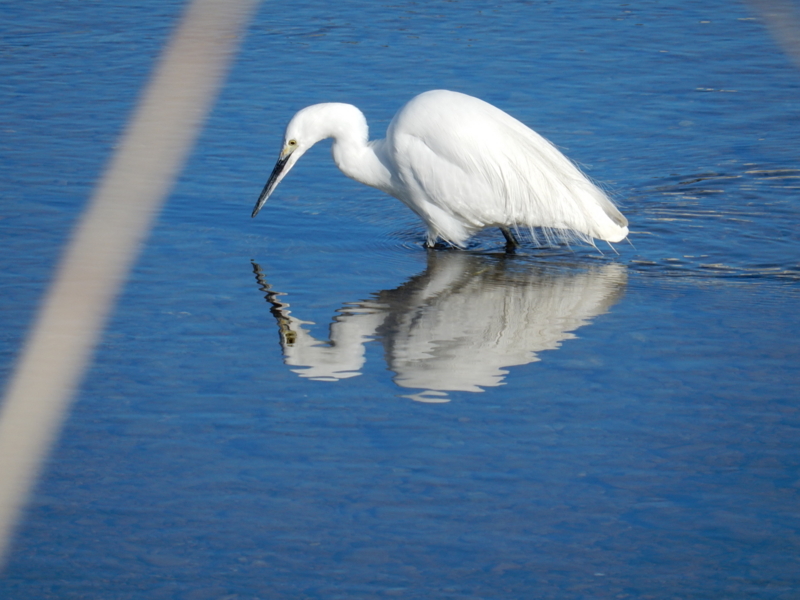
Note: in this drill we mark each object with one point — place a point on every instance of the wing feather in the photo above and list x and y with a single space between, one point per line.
467 165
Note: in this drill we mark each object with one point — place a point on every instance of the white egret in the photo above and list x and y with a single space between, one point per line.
461 165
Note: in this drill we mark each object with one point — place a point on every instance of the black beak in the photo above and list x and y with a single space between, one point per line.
270 184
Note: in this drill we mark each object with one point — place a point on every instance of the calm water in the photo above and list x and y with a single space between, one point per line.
311 405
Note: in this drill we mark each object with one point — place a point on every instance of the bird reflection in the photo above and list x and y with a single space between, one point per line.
457 326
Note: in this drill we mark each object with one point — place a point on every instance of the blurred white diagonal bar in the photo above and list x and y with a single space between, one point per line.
783 20
106 242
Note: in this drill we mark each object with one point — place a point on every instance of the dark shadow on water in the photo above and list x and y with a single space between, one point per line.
457 326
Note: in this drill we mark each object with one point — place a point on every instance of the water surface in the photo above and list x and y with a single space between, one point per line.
311 405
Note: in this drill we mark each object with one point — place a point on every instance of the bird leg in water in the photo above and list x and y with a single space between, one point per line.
512 243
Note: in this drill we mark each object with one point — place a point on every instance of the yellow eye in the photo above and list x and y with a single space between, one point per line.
292 143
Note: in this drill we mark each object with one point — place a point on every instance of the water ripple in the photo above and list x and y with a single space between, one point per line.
741 223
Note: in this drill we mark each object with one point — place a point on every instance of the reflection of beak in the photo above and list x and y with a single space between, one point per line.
273 180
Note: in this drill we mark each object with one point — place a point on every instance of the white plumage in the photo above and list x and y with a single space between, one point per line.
461 165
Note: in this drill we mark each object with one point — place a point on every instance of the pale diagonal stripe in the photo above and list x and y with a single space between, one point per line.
106 242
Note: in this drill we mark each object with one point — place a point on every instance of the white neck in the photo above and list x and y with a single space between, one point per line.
355 156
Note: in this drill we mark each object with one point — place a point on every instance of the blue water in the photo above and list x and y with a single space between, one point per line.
310 405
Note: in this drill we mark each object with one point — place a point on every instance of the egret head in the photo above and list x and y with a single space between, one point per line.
307 127
291 152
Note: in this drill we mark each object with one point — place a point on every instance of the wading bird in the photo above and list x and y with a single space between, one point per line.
461 165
